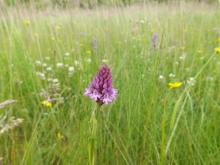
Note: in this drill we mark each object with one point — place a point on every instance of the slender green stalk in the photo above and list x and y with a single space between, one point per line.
93 145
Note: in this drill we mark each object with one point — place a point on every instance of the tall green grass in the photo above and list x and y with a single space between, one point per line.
148 123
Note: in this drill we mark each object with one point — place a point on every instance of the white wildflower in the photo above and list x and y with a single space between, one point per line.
44 65
76 62
67 54
55 80
60 65
161 77
89 60
172 75
41 75
71 69
38 63
10 124
191 81
182 57
6 103
49 69
105 61
142 21
210 78
47 58
49 79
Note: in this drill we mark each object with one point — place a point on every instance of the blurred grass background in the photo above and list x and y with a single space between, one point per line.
42 4
149 123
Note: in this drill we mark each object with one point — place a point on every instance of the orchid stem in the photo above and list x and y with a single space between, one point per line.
93 146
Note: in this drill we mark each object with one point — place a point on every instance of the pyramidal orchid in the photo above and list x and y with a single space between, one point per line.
101 90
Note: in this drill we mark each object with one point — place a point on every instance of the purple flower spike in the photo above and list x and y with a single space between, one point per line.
155 40
101 89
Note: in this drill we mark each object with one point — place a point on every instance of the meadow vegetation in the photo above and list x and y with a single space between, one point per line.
165 62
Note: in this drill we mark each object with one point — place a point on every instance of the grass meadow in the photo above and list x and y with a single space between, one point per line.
54 54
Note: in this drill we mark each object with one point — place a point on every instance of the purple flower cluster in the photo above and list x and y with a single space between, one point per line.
101 89
155 40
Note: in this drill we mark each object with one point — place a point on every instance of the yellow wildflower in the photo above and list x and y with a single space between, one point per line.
57 27
217 50
26 22
47 103
60 136
88 52
218 40
175 85
53 38
182 48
